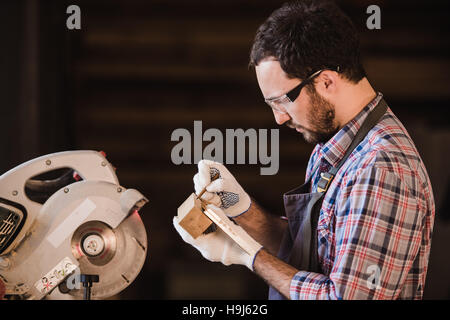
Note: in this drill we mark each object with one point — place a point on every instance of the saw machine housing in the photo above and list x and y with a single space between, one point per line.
81 222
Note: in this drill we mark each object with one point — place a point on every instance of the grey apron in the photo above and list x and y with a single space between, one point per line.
299 246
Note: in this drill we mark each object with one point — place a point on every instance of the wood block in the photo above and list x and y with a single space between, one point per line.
192 218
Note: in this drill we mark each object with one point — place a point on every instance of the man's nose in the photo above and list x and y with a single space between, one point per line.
281 118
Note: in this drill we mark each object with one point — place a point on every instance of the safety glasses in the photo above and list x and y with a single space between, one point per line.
280 104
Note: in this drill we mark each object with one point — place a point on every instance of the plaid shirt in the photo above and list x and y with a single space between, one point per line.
376 220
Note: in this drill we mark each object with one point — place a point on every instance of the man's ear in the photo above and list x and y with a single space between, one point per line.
328 78
327 83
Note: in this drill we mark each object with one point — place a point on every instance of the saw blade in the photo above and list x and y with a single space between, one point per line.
116 255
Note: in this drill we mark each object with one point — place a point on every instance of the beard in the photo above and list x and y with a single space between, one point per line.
321 117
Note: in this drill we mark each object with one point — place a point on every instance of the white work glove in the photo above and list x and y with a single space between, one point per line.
217 246
224 192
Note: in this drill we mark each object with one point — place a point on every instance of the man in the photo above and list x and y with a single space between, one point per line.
361 225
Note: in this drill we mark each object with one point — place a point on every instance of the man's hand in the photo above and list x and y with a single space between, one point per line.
224 192
218 246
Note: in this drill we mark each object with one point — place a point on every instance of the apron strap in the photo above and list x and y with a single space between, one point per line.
372 119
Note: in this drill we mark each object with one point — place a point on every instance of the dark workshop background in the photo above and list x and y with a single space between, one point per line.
139 69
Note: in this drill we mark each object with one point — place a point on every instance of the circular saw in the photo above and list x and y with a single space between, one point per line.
68 229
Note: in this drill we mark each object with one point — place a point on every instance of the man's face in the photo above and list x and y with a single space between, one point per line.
310 114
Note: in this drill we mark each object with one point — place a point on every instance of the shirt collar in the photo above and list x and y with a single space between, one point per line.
333 150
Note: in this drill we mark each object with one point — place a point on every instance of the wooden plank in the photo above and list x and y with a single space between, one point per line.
241 238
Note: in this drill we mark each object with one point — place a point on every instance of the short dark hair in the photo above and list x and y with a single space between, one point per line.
309 35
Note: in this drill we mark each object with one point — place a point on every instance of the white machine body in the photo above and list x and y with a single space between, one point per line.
90 225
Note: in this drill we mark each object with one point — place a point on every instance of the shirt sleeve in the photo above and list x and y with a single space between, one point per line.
377 237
